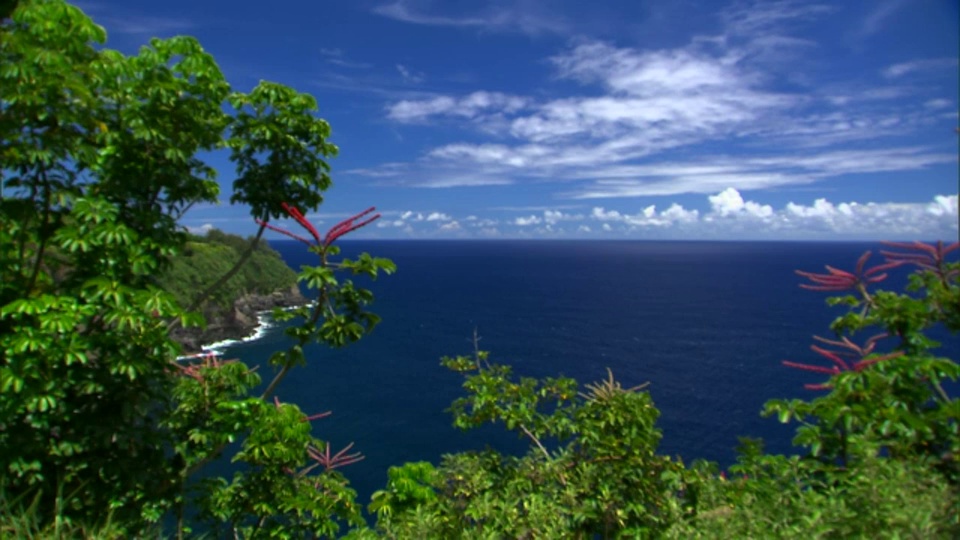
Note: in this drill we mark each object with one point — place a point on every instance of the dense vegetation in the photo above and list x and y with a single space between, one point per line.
206 258
103 432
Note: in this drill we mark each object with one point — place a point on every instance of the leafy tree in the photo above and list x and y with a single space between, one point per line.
100 156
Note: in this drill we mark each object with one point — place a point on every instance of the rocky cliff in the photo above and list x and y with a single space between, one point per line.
238 322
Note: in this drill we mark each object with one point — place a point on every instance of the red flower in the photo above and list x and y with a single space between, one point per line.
195 371
848 349
277 404
840 280
340 459
925 256
348 225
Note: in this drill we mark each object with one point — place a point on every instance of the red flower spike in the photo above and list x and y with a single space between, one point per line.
859 366
284 231
295 213
924 256
830 355
208 360
841 280
335 232
340 459
276 403
848 349
349 225
317 416
816 369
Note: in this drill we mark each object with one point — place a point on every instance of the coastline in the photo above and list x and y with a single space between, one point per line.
247 320
264 323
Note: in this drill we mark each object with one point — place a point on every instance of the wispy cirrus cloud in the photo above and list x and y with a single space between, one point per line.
338 58
920 66
125 21
469 106
505 16
644 115
879 16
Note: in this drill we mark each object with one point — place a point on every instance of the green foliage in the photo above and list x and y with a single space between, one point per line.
789 497
103 432
892 403
602 475
101 155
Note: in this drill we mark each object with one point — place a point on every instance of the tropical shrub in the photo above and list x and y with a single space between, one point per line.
879 449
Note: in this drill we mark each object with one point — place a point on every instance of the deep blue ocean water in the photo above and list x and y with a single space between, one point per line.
707 323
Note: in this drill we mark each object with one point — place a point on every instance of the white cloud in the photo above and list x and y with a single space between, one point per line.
409 75
337 58
523 17
647 217
938 104
710 174
649 122
729 202
732 216
438 216
925 65
879 16
468 106
556 216
527 221
207 227
451 226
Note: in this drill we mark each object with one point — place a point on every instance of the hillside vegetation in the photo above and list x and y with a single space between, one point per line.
206 258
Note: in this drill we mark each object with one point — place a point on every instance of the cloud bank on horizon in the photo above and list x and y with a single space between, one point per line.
517 118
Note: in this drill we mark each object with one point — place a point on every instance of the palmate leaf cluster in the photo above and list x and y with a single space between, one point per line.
104 433
101 426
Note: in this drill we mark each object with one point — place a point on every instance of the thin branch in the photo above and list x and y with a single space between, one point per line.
322 300
43 234
536 441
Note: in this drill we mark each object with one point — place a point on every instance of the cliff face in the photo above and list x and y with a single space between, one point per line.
238 322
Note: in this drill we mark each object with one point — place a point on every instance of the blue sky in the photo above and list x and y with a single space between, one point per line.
638 119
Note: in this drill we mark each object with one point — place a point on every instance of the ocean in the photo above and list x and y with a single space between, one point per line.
706 323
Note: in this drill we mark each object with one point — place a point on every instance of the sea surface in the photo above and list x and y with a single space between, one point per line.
706 323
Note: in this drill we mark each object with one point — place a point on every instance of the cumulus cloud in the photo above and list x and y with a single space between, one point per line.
733 216
438 216
648 216
451 226
201 230
729 202
527 221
